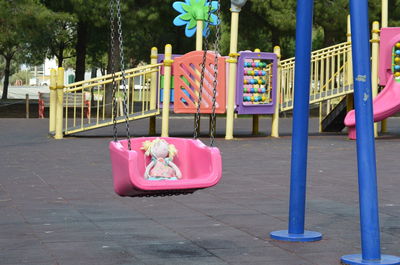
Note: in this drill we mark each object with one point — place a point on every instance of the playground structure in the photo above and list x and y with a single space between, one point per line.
331 79
254 90
331 86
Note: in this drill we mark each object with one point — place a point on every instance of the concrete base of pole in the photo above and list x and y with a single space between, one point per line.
356 259
307 236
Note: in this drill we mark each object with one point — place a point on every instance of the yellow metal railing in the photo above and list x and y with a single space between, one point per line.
88 104
331 75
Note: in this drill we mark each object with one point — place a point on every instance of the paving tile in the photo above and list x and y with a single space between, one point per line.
166 251
23 254
260 254
101 250
66 212
185 261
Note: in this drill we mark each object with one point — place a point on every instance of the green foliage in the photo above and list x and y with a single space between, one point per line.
13 67
23 27
31 28
318 38
61 37
24 76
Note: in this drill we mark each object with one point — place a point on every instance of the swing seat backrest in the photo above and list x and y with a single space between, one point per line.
201 167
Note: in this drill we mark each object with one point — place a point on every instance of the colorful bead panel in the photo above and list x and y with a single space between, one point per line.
396 61
256 83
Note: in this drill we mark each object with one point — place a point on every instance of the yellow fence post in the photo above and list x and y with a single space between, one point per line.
153 91
275 116
59 109
53 100
167 88
232 75
199 35
374 65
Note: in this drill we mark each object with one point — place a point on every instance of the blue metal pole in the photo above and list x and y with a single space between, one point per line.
367 183
296 232
368 193
300 116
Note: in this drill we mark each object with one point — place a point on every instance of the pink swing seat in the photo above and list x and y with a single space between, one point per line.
201 167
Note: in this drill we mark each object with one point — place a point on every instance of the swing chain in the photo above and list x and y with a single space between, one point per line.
122 65
112 63
215 82
203 66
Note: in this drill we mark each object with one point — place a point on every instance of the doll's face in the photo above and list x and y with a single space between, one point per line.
160 149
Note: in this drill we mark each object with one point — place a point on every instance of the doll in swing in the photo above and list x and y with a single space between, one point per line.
161 166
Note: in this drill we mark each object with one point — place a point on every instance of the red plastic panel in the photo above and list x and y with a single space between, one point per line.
187 83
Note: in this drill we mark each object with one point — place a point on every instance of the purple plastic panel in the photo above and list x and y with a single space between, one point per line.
160 59
259 97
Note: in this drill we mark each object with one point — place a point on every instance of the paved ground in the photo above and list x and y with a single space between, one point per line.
57 205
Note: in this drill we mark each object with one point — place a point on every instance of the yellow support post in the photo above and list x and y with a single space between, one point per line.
384 22
53 100
256 117
232 75
320 117
167 87
199 35
384 126
199 47
275 116
59 109
153 91
374 65
256 123
349 98
385 16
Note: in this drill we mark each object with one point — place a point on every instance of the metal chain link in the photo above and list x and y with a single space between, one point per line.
121 52
203 67
215 82
112 63
117 4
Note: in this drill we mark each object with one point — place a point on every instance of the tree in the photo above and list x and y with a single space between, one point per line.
90 15
13 67
22 30
62 37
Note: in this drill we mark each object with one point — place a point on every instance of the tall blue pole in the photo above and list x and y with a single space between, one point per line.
296 232
367 183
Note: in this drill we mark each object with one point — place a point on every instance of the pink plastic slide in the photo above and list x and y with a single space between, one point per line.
387 103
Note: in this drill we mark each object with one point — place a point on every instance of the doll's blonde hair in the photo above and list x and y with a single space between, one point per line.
148 145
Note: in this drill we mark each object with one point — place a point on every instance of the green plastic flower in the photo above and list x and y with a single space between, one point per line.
193 10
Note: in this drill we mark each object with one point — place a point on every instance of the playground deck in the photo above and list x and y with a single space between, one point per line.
57 205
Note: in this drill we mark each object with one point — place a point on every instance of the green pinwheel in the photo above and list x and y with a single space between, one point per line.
192 11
